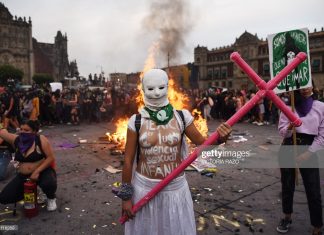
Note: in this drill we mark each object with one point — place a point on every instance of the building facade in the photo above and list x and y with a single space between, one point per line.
216 69
16 45
19 49
52 58
119 80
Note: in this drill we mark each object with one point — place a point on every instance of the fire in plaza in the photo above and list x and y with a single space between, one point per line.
178 99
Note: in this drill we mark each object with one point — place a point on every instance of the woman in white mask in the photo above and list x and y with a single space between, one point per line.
155 147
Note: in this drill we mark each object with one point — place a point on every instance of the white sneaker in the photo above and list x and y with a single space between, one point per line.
51 204
260 124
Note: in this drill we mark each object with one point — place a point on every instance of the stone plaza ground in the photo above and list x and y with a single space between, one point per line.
233 201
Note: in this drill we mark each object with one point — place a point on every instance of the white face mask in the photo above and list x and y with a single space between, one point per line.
155 88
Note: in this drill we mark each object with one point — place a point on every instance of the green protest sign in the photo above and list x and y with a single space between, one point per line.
283 48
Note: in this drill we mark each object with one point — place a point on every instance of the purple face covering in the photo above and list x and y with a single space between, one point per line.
26 140
304 106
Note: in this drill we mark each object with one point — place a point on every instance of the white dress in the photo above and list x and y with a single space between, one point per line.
170 212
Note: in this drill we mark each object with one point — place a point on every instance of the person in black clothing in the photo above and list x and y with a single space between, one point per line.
36 162
8 108
87 103
46 108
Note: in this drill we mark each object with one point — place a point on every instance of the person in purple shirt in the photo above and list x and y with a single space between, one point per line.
310 139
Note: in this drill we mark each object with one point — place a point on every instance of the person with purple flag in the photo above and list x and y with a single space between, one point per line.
310 139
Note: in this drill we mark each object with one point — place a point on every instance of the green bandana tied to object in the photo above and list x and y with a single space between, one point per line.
161 117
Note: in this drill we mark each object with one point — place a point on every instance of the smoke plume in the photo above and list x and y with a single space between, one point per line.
170 19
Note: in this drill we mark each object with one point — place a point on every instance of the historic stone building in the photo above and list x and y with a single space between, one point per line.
216 69
118 80
18 48
53 58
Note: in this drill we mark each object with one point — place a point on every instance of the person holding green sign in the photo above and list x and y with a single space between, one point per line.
310 139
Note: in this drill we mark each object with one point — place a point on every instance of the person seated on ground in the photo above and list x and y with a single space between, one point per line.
36 162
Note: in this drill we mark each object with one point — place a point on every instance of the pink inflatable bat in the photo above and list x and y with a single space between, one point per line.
266 89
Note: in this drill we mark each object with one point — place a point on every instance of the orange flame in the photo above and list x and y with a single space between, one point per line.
119 137
200 122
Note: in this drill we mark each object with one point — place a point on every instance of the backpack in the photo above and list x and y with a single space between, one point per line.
138 119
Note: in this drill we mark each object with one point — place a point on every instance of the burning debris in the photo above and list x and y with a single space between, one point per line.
118 138
200 122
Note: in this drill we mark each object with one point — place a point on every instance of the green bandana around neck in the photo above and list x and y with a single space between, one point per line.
162 116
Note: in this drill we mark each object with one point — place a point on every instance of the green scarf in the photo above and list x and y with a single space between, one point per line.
162 116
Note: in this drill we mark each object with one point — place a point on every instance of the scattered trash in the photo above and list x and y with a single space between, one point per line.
201 164
112 170
83 141
269 141
117 152
263 147
201 223
94 226
238 191
239 134
66 208
113 223
190 168
239 139
74 135
103 138
208 189
67 145
208 174
210 170
103 226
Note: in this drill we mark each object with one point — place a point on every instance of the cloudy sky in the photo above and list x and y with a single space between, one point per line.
115 35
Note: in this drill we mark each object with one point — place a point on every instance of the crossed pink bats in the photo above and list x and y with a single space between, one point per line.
265 89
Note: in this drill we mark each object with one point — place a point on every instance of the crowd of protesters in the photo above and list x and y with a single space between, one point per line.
85 105
221 104
69 106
